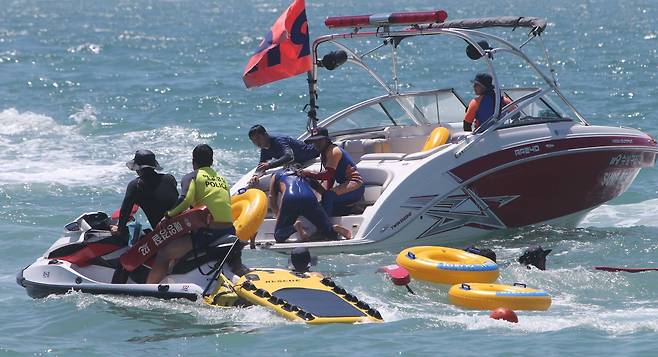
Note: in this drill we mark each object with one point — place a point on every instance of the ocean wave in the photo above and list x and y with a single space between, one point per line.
36 149
627 215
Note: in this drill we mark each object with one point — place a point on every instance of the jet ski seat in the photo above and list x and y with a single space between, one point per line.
215 252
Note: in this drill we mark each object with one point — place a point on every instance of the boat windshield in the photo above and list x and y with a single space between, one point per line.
419 108
542 109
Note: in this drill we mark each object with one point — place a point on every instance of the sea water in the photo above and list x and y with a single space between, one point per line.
83 84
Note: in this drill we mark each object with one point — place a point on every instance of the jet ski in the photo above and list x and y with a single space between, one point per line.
89 259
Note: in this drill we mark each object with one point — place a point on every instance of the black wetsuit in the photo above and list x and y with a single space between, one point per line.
155 193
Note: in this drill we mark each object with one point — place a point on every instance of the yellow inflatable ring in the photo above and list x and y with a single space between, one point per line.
447 265
248 210
492 296
438 137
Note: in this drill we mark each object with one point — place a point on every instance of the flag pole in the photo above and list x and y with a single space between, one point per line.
312 92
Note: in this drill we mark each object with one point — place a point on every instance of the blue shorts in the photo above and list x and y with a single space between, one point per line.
336 205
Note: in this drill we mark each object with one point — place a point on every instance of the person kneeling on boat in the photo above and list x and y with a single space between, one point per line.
481 108
277 151
201 187
339 168
299 200
152 191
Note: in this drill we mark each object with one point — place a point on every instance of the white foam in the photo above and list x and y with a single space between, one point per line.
253 316
629 215
86 114
36 149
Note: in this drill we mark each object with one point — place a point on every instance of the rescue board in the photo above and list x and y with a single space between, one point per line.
307 297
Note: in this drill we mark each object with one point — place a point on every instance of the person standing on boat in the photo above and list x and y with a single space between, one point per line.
481 108
201 187
299 200
277 151
152 191
338 168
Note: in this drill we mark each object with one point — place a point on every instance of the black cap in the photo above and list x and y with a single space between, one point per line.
317 134
300 260
535 255
485 80
143 159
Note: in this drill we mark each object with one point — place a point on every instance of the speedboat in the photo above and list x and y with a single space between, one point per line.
428 182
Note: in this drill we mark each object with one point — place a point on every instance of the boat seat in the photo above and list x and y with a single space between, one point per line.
375 182
359 147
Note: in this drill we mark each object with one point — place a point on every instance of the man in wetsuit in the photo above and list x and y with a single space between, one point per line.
277 151
152 191
299 200
201 187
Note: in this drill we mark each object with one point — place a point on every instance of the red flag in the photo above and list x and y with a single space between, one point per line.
285 50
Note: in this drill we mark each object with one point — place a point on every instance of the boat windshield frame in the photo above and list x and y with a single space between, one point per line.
392 37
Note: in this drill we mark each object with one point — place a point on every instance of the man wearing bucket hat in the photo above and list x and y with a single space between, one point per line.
154 192
481 108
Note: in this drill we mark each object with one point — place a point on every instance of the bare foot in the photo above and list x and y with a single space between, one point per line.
342 231
303 234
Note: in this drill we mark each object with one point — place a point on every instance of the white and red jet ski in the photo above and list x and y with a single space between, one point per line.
87 258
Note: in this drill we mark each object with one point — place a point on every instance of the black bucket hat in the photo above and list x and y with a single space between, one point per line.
484 79
317 134
143 159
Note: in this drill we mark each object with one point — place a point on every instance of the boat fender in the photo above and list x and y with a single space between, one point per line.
506 314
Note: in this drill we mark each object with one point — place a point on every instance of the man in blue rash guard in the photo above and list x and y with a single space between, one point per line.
299 200
277 151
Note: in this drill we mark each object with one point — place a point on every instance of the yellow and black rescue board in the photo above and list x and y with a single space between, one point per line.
307 297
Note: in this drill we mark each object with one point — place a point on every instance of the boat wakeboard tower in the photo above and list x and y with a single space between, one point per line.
429 182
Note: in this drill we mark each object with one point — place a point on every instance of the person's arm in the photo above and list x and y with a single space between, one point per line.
470 114
126 206
288 156
315 185
280 146
274 196
186 199
330 168
265 155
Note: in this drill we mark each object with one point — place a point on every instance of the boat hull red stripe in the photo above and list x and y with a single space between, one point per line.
521 152
585 180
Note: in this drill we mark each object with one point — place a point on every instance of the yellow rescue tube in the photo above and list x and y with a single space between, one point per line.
492 296
438 137
447 265
248 210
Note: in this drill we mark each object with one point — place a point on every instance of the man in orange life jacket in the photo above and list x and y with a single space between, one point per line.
480 110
